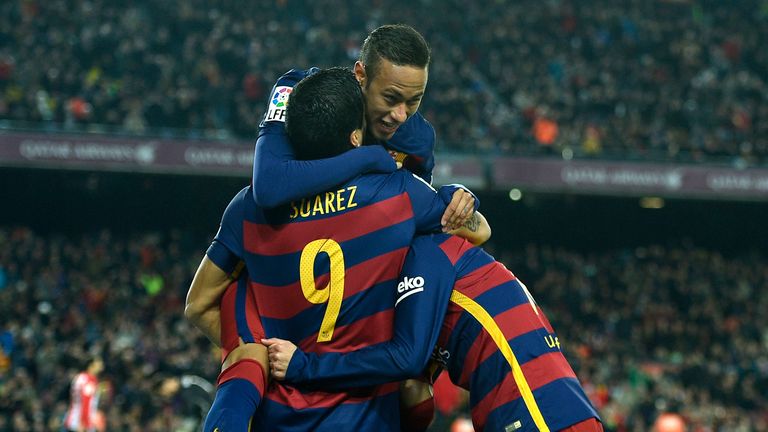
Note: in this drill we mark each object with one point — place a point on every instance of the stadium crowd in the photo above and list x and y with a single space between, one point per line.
648 329
665 79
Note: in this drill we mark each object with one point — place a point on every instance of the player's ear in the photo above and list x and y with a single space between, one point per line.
359 70
356 138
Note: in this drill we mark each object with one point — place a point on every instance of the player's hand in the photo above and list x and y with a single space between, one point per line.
280 354
461 208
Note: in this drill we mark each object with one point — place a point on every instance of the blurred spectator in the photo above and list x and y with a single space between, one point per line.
67 297
82 414
677 80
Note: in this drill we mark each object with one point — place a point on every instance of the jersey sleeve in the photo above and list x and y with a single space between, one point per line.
416 138
428 206
421 300
279 178
446 193
226 250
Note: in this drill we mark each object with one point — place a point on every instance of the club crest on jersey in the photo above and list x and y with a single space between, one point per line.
278 104
409 286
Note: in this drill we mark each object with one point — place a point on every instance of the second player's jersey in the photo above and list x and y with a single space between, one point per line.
497 343
490 334
321 270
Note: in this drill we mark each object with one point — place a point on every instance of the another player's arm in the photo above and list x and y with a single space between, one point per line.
462 204
203 299
476 229
279 178
219 267
429 206
420 305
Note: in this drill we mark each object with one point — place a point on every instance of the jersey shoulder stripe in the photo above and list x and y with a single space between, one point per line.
513 322
482 316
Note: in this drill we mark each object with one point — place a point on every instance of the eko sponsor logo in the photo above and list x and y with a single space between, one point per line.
409 286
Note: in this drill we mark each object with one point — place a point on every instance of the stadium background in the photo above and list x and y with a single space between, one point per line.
633 136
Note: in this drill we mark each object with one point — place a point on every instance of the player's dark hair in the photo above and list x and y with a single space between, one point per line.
323 110
400 44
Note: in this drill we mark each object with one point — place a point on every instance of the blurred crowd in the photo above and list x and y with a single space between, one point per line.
681 80
656 329
64 300
648 330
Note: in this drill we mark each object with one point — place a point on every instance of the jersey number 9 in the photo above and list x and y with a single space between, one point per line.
333 293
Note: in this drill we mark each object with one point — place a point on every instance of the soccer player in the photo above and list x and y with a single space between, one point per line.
489 334
393 71
81 414
318 268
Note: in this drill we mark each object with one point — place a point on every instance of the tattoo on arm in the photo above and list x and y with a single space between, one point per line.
472 223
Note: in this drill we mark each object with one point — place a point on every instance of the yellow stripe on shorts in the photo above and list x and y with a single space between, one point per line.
485 319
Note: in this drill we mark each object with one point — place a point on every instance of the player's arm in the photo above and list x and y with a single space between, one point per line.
462 204
279 178
476 229
414 141
204 296
219 266
420 304
429 206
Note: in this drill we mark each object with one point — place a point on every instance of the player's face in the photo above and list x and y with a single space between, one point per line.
392 96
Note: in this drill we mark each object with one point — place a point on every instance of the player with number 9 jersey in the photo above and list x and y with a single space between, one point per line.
321 270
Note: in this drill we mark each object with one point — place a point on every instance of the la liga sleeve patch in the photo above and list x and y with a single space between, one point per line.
278 104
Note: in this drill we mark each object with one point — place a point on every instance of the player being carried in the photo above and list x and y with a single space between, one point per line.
392 69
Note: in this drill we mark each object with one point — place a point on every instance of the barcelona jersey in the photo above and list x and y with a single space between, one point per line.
490 335
321 271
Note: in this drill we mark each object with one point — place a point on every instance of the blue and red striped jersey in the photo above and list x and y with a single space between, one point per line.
490 335
278 178
321 270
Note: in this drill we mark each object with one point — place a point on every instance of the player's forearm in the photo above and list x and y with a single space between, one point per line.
204 297
388 362
209 323
476 230
279 179
418 320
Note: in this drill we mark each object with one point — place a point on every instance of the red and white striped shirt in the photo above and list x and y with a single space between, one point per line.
84 400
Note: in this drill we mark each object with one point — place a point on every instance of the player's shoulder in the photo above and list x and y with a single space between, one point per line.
417 119
435 240
242 200
415 137
293 76
398 179
278 98
80 378
374 187
417 123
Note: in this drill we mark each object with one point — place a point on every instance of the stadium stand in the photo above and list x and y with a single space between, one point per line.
601 79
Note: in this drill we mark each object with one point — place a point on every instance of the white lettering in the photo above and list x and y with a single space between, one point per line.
409 286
